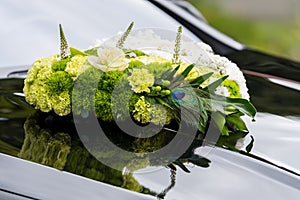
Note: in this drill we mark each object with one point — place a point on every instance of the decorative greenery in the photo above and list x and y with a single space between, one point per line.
64 47
127 83
121 41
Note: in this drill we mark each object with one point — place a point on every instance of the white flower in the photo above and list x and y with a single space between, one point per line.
109 59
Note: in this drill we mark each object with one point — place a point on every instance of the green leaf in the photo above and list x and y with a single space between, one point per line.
187 70
164 103
214 85
184 74
242 105
201 79
172 72
135 51
220 121
236 120
233 105
75 52
92 51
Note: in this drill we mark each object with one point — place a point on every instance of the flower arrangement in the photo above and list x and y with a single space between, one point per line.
119 83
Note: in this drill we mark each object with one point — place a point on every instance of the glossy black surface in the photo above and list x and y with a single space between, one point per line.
276 139
262 165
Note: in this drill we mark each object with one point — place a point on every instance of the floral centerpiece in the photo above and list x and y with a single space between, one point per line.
142 80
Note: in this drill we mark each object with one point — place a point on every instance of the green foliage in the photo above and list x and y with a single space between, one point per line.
64 47
75 52
135 51
59 82
177 46
135 63
212 87
60 65
157 69
123 38
233 88
279 37
199 80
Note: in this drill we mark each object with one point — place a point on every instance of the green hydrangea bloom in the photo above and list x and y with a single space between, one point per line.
84 90
233 88
61 103
158 68
59 82
60 65
43 101
47 88
123 99
74 67
103 105
141 113
135 63
160 115
140 80
37 66
109 79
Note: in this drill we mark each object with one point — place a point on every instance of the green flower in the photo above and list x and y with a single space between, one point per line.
160 115
103 105
233 88
140 80
141 113
60 65
62 103
109 79
43 101
37 66
74 66
85 89
59 82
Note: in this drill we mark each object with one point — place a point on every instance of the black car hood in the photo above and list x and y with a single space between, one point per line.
269 170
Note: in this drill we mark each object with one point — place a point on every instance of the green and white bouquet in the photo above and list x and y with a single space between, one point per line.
123 78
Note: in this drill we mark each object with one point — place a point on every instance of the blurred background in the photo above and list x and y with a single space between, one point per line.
272 26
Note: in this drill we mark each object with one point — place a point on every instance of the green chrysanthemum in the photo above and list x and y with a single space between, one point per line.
140 80
160 115
62 103
103 105
59 82
233 88
142 110
74 66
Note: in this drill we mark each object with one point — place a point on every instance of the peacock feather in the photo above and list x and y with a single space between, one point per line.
196 105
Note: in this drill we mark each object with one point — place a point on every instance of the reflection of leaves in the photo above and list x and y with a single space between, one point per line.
182 166
250 145
199 161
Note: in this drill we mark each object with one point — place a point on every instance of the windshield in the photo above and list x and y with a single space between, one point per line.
31 27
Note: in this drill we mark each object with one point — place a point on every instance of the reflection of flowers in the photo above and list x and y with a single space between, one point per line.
42 147
62 151
109 59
